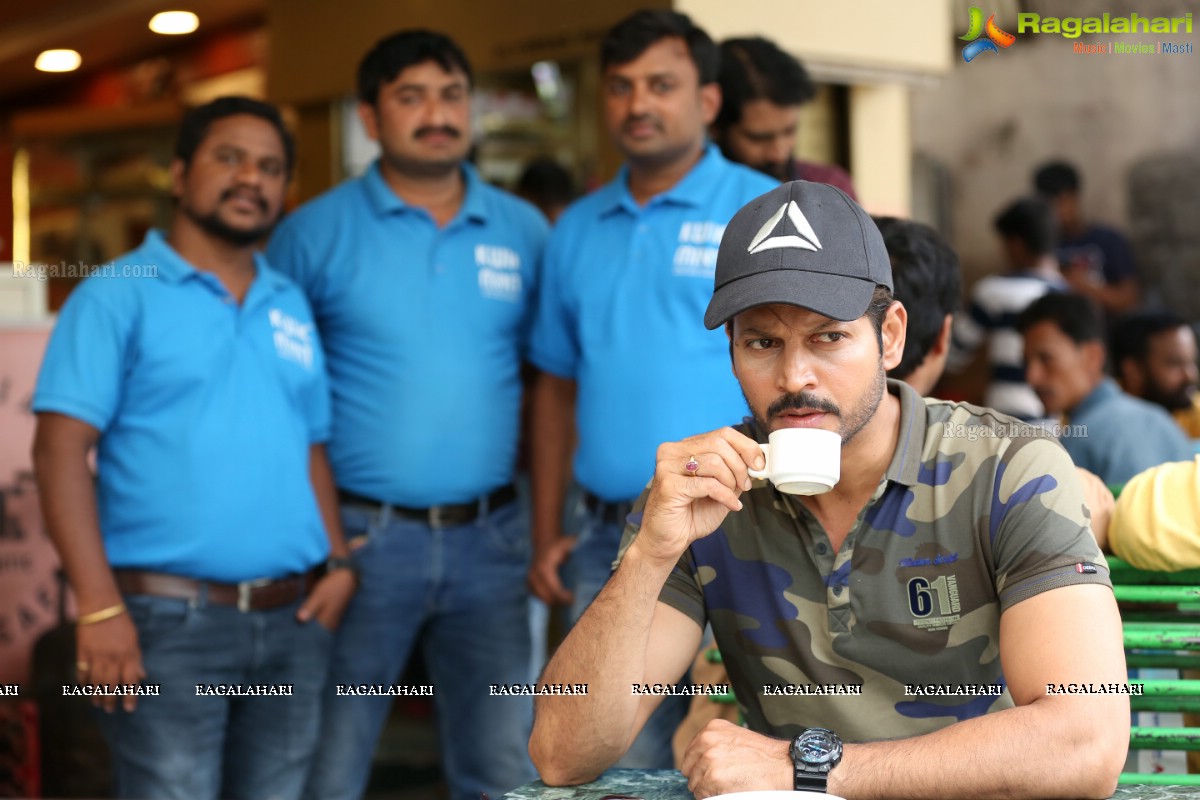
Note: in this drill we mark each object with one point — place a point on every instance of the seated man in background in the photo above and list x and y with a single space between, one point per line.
1105 430
810 592
929 285
1026 230
1154 358
1156 522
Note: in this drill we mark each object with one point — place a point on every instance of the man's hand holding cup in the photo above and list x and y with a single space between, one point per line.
696 483
699 480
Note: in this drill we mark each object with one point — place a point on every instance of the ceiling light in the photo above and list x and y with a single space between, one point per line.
57 61
173 23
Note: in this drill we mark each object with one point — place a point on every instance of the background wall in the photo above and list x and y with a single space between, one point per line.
1123 119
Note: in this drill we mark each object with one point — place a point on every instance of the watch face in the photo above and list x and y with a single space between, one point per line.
817 746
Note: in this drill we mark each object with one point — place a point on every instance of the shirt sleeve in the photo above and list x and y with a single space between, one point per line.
967 332
286 252
1156 517
831 174
1038 526
1118 258
553 341
538 230
88 356
317 410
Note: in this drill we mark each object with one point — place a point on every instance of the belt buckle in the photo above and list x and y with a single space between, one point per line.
436 520
245 592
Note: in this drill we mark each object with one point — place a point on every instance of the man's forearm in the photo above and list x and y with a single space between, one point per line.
552 410
1040 750
68 500
325 489
575 738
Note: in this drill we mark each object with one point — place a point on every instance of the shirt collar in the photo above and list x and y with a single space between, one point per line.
385 201
176 269
910 444
692 190
170 264
1105 391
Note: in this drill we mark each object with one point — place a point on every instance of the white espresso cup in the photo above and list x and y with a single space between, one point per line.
802 460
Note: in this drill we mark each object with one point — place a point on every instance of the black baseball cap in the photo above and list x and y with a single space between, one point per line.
804 244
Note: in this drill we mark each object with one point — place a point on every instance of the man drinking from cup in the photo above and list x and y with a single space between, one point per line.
895 635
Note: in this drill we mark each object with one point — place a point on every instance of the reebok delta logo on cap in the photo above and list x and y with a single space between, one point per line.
807 240
803 244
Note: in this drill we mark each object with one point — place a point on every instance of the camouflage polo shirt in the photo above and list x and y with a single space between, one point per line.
972 517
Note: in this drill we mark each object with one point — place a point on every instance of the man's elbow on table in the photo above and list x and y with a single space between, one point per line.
555 769
1097 761
554 759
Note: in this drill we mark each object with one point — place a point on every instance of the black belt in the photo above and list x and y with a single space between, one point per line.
444 516
609 513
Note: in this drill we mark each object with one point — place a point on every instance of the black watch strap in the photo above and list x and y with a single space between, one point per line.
814 754
809 782
342 562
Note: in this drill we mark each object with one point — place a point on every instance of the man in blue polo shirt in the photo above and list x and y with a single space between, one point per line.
421 277
1105 430
629 271
194 555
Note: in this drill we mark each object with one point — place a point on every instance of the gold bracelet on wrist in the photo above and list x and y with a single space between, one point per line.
101 615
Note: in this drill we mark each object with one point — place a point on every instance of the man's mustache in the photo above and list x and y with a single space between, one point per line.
443 130
640 119
802 400
258 199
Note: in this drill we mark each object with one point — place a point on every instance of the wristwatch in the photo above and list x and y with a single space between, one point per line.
814 754
342 562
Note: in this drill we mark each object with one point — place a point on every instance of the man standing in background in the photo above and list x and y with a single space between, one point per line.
629 269
421 277
762 90
1096 260
197 553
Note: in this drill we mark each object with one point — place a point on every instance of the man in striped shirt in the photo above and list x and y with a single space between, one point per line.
1027 233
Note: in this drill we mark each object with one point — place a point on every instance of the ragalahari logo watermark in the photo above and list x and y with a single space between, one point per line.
995 37
1071 28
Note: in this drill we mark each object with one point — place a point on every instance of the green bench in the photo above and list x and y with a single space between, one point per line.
1160 616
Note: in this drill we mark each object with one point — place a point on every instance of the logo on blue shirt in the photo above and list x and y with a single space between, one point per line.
499 272
696 255
293 338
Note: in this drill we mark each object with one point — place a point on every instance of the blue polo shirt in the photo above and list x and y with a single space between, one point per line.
1120 435
621 312
424 328
206 412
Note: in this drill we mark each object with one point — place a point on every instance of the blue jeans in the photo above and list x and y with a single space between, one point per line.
585 574
459 591
180 745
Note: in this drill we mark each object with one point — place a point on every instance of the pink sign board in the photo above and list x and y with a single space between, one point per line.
28 587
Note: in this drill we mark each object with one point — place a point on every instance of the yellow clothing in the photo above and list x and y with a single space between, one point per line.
1156 522
1189 418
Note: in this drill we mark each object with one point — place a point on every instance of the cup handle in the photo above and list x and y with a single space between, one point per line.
761 474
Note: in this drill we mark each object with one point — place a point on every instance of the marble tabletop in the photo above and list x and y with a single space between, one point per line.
667 784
